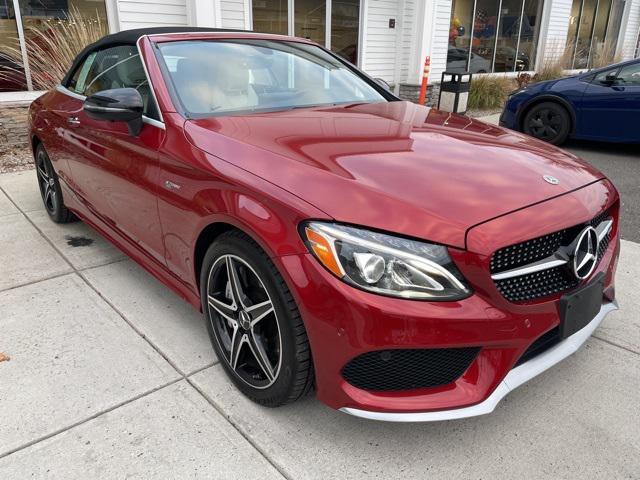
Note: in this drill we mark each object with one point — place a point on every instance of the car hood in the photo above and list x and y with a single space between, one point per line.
394 166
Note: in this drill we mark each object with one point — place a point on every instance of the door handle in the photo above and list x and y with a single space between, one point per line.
73 121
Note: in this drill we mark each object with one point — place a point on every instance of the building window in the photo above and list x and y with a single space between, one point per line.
12 77
593 32
28 54
493 35
332 23
271 16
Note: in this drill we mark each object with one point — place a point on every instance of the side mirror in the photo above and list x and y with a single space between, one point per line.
383 83
611 79
117 105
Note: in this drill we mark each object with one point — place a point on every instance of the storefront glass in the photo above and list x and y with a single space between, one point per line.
529 34
43 19
310 20
460 36
593 32
11 74
493 35
313 19
270 16
508 31
345 26
484 36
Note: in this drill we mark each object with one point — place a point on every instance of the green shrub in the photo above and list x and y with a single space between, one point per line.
489 92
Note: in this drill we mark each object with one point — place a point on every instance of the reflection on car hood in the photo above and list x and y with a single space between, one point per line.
396 166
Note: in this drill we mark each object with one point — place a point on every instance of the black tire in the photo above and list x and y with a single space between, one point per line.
294 376
547 121
50 190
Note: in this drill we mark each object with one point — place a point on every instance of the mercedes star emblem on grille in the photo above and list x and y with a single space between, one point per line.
551 179
585 256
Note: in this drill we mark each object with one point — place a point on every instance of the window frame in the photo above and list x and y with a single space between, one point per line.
78 63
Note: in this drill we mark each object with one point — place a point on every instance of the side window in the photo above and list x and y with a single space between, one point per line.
629 75
601 78
115 67
78 81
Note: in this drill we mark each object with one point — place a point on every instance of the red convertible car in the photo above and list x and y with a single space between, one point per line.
406 263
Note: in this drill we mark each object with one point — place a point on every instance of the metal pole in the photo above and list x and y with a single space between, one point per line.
473 25
593 28
23 44
495 45
399 30
291 24
327 26
515 57
575 46
361 13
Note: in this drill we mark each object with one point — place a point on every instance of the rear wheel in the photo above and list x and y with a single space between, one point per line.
548 121
254 323
50 188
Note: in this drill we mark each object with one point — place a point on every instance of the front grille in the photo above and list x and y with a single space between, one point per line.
546 282
386 370
537 285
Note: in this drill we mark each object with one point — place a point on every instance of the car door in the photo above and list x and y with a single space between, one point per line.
114 173
610 106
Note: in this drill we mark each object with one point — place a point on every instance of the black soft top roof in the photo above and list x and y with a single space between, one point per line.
130 37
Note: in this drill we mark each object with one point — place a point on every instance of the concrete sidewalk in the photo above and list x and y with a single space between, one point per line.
111 375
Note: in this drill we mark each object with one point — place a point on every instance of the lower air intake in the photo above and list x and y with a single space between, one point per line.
393 370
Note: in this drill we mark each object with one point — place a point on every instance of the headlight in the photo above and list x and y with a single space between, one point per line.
386 264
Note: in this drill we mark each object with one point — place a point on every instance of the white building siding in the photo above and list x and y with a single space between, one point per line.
556 18
407 43
380 40
630 37
151 13
235 14
440 38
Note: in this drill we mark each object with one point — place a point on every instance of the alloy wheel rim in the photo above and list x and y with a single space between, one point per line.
545 124
46 182
244 321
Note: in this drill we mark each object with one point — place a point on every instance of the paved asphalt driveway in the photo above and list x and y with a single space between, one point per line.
111 375
621 163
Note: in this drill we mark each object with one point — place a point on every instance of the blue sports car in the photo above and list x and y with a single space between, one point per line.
602 104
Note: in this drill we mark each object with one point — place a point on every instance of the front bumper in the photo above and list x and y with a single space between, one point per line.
343 322
513 380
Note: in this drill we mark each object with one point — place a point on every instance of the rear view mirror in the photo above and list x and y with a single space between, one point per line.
117 105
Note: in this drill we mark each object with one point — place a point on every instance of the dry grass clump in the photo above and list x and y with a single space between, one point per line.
489 92
52 46
604 54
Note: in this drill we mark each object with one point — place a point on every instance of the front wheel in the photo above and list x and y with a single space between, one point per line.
549 122
50 188
254 323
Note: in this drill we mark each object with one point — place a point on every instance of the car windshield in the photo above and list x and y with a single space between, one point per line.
238 76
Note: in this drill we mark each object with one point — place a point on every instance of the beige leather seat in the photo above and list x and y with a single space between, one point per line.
204 87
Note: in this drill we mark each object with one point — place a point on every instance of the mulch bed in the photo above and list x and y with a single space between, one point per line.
16 159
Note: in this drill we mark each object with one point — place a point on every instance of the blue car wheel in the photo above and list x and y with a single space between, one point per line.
548 121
